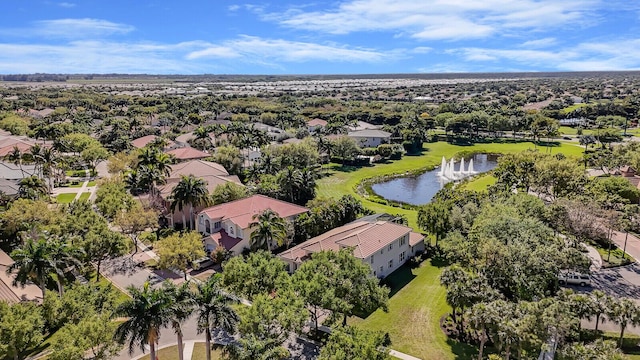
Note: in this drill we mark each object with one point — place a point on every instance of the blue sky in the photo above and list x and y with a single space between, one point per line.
323 37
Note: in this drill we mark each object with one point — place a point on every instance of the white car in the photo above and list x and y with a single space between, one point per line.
574 278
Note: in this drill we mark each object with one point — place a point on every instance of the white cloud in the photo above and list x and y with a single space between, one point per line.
587 56
539 43
421 50
252 48
66 4
71 29
233 7
98 56
440 19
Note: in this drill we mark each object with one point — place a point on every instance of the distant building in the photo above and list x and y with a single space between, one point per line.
139 143
315 124
370 138
227 224
188 153
383 245
361 125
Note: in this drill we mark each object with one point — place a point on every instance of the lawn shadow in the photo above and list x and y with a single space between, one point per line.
344 168
399 278
462 351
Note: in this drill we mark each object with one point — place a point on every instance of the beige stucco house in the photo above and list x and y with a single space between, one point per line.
383 245
227 224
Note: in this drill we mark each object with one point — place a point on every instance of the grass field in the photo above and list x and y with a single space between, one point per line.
65 198
171 353
413 320
343 180
84 196
480 183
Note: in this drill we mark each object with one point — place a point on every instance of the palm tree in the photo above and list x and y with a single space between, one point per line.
214 310
600 304
32 187
16 157
623 312
147 312
190 191
38 260
268 228
290 180
181 307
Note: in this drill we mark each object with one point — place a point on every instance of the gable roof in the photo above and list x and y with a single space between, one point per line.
317 122
14 294
364 236
241 211
9 187
197 168
188 153
370 133
146 140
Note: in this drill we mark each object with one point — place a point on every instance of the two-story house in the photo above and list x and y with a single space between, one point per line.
370 138
383 245
228 224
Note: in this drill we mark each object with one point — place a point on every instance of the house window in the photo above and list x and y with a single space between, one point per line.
381 251
207 226
372 259
390 263
231 230
381 269
390 246
403 240
216 225
402 257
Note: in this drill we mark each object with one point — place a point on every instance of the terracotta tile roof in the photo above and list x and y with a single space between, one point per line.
14 294
365 237
197 168
241 211
6 150
221 238
317 122
415 238
212 181
188 153
146 140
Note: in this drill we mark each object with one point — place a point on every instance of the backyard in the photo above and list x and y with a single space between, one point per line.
413 321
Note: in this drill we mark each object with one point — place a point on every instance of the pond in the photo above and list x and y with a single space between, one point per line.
420 189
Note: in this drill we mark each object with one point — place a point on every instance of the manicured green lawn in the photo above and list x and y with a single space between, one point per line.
481 183
343 180
413 320
171 353
65 198
84 196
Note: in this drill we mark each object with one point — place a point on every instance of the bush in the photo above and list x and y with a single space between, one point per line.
370 151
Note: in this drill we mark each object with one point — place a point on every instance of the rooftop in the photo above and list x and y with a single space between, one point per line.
370 133
365 236
14 294
241 211
188 153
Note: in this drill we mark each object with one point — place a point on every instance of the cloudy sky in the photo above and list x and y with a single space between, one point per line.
322 37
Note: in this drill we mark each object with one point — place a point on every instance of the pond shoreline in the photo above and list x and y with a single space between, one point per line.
365 187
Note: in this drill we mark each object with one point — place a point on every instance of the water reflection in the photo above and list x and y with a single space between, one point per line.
418 190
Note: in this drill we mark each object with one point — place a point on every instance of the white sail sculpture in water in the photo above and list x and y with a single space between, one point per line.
448 171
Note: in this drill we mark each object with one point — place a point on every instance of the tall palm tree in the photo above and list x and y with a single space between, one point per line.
623 312
267 228
180 308
290 180
190 191
147 312
37 260
16 157
32 187
214 310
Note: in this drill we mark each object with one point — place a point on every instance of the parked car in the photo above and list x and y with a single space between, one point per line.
574 278
203 263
